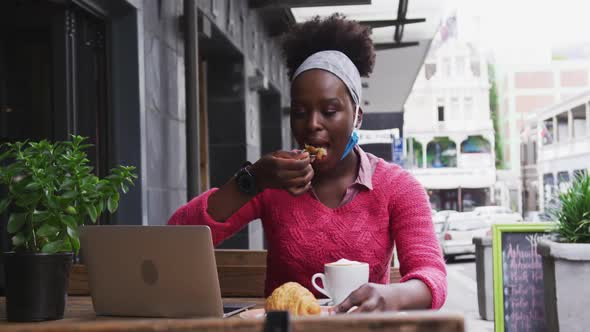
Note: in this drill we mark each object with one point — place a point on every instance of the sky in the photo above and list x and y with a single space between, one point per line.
514 31
524 31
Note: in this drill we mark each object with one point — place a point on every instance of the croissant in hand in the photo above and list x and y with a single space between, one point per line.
294 298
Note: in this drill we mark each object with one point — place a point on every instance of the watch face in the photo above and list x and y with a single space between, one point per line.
246 183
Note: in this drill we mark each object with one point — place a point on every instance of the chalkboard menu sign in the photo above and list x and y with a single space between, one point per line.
519 304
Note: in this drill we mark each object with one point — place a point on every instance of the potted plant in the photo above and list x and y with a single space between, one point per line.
51 191
566 260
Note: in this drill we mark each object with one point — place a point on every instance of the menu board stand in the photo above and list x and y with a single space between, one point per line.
519 304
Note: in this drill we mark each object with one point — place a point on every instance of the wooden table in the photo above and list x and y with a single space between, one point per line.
80 317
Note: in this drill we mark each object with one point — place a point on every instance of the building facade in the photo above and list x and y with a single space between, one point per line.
448 131
523 89
185 91
556 142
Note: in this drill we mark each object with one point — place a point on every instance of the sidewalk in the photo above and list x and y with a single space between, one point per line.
476 324
473 322
462 296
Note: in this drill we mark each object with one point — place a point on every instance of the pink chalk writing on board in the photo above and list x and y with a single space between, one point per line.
524 306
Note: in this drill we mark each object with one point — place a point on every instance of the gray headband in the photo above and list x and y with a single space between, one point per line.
338 64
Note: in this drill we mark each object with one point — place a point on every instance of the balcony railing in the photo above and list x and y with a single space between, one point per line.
455 177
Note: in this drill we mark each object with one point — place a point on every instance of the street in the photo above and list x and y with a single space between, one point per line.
462 294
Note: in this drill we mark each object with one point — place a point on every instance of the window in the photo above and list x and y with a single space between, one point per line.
441 109
530 154
468 108
28 74
460 66
579 172
475 68
562 127
441 152
563 177
34 56
547 131
441 113
548 179
415 155
455 108
579 119
475 144
446 63
563 181
429 70
548 188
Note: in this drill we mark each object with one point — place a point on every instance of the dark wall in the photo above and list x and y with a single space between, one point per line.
270 122
236 46
227 128
72 84
376 121
126 111
245 30
380 150
226 118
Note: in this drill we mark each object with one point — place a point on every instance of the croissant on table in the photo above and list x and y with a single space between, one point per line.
294 298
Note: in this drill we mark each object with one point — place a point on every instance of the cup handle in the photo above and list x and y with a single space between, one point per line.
315 285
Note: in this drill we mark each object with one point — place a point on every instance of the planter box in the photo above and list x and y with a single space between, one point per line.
566 273
485 276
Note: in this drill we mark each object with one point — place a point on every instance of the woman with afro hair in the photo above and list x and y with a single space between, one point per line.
329 199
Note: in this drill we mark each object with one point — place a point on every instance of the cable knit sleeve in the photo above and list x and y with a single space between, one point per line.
195 213
417 246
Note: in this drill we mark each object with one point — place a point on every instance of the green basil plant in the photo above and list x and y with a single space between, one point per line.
51 190
573 211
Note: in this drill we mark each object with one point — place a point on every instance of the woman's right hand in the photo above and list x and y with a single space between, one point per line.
289 170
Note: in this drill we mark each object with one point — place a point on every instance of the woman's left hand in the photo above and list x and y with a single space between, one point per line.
370 297
411 294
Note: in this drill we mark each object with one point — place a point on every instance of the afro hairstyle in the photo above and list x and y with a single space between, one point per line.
332 33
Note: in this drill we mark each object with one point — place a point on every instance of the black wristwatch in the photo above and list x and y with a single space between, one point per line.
245 179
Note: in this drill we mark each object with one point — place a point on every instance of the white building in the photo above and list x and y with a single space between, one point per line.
561 138
448 131
523 89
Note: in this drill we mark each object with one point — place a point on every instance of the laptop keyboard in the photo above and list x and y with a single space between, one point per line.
230 308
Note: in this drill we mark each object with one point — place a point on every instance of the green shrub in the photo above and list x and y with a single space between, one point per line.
573 212
52 191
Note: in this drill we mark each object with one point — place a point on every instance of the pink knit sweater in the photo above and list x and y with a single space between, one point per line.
303 234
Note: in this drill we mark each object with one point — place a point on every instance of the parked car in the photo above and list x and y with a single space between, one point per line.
537 216
458 233
497 214
445 213
439 223
439 226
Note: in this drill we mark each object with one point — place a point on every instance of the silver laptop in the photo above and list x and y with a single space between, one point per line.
153 271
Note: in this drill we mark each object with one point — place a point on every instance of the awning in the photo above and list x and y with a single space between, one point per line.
400 54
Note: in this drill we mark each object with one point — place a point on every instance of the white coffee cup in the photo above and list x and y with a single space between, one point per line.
341 278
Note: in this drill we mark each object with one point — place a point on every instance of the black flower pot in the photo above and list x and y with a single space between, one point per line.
36 285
